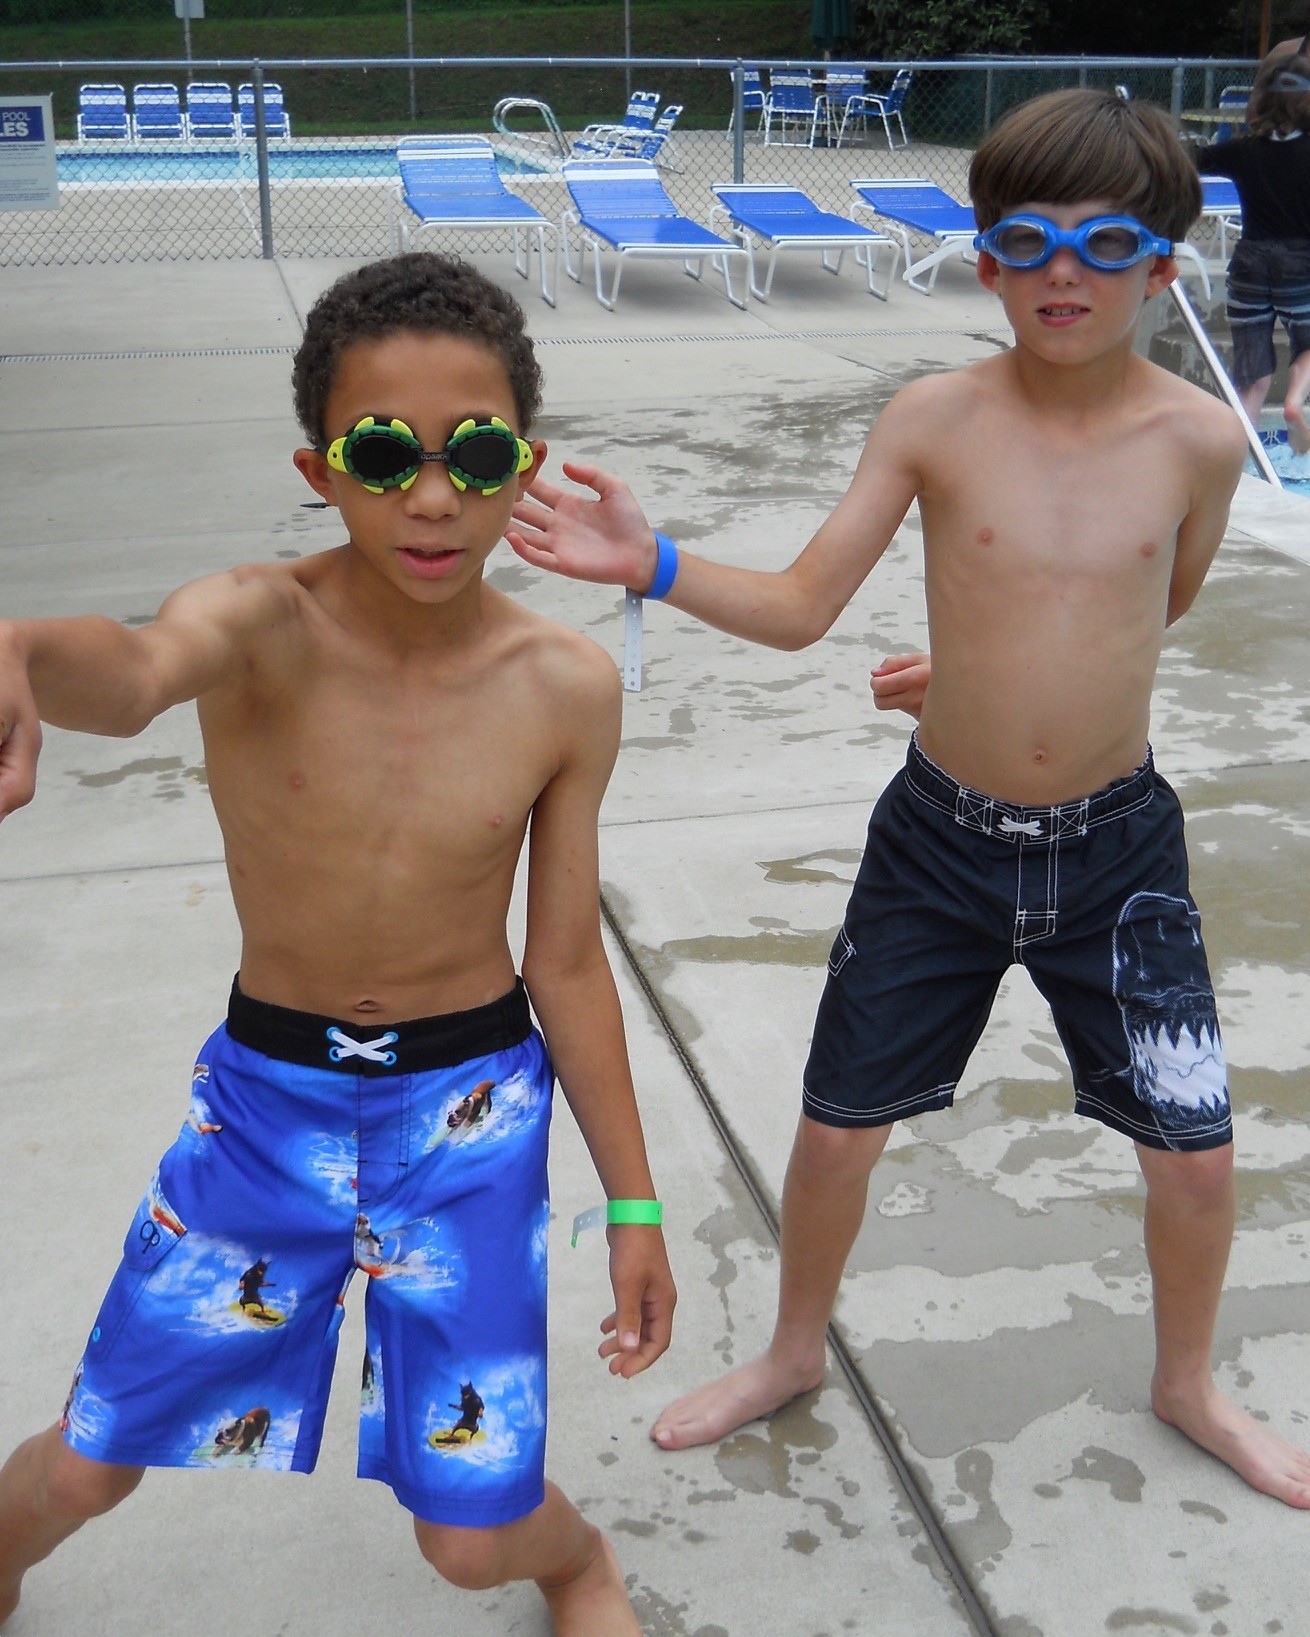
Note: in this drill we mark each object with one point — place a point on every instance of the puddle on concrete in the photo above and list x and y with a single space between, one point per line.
983 1538
761 1462
171 774
1124 1478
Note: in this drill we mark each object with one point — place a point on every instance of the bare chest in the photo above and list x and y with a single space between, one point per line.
414 779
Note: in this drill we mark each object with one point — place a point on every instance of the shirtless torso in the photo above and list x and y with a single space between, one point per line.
374 797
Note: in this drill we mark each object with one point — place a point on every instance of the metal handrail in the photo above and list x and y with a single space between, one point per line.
1221 378
500 119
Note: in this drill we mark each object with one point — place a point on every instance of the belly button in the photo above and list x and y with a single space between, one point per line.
365 1006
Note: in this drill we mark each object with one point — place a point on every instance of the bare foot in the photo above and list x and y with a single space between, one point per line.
1298 430
594 1603
1256 1454
720 1407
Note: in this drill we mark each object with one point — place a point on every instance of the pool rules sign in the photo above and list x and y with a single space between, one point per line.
28 180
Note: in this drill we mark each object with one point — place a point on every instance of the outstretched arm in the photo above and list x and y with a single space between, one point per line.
94 675
568 977
605 537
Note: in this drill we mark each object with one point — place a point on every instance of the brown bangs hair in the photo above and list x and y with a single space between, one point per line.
1271 112
1077 145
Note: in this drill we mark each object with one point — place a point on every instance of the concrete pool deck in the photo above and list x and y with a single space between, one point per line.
981 1456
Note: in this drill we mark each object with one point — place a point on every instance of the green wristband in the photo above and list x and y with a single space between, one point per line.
620 1212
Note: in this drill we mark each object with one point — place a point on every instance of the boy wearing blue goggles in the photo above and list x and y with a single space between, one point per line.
1107 244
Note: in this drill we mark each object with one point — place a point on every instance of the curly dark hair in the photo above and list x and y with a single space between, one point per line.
1068 146
424 292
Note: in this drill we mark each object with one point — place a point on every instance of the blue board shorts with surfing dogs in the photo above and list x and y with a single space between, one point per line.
411 1153
1091 897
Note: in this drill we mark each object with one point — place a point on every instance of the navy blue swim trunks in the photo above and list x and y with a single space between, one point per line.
412 1153
1091 897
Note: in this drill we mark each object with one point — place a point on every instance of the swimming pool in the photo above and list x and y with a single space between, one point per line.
1292 468
297 163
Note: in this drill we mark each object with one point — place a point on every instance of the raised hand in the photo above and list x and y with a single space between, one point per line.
603 537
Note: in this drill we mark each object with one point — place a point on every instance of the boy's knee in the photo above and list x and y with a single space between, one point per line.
837 1152
1200 1178
472 1559
78 1487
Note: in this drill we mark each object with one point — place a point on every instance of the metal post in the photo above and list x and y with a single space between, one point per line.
739 122
261 160
1176 92
1231 396
186 33
627 47
413 89
988 100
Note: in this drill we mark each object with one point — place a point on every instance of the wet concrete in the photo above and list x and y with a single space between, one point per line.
996 1305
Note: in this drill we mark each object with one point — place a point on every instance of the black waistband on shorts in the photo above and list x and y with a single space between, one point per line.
379 1048
1008 821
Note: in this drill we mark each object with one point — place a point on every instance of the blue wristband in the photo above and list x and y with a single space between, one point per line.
666 567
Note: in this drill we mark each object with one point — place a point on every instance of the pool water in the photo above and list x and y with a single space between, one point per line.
289 164
1294 469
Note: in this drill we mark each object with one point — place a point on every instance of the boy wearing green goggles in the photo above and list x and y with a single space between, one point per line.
380 727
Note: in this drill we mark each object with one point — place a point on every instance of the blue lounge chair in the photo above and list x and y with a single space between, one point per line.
654 144
209 111
157 113
915 205
638 120
277 123
451 184
885 105
785 218
752 95
622 204
102 114
793 103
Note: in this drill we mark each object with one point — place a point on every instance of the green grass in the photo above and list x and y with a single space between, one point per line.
358 101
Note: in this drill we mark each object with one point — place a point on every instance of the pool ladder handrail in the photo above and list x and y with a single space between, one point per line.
554 135
1191 318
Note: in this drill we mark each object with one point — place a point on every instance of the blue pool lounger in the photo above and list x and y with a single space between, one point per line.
277 122
622 204
451 184
157 112
915 205
102 114
209 110
786 218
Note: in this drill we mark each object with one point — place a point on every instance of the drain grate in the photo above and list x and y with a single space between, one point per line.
540 341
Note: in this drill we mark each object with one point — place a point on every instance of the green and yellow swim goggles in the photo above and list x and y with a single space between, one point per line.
385 454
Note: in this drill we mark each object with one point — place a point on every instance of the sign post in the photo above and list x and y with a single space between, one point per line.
186 10
28 177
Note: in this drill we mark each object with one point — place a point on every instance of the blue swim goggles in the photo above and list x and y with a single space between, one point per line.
1109 244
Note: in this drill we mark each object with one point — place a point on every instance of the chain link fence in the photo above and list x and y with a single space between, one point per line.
327 183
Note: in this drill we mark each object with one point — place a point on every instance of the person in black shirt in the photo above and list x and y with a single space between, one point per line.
1269 274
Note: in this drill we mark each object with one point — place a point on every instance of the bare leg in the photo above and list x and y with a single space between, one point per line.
1298 388
570 1560
1253 398
823 1200
47 1492
1189 1228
